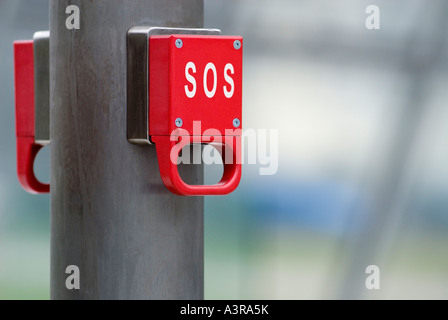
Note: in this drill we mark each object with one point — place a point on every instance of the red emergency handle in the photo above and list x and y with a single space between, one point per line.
169 148
26 153
27 148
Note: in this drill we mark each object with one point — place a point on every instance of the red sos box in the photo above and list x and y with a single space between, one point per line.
195 96
194 78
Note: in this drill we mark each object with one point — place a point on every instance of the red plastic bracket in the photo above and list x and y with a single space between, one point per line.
27 148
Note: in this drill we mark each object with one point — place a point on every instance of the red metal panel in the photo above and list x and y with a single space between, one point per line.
159 86
24 88
168 66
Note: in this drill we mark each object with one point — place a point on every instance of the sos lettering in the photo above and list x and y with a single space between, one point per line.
209 91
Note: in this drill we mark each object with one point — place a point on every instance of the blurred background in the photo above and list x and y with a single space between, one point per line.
362 151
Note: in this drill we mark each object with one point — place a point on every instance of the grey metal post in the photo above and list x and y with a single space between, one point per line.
110 214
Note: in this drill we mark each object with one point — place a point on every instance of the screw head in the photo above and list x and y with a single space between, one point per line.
179 43
237 44
179 122
236 123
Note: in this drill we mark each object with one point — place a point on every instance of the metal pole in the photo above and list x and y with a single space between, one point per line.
111 216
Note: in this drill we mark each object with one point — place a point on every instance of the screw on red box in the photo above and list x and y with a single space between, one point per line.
31 68
194 96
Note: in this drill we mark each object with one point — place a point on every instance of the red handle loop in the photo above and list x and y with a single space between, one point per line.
26 153
168 149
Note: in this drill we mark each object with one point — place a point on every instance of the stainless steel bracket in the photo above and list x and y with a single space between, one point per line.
137 97
41 48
